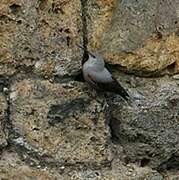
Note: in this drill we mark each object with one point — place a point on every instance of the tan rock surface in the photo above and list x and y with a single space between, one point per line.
60 120
12 167
41 34
137 35
158 56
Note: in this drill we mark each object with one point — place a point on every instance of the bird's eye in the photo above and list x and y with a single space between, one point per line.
93 55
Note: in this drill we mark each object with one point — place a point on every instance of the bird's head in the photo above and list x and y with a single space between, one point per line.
94 58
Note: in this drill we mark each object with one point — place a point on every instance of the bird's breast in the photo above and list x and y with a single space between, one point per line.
98 75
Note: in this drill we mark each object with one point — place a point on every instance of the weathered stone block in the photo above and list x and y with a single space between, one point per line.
137 35
60 120
40 36
13 167
149 133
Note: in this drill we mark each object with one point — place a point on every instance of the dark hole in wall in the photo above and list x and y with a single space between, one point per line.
127 160
15 8
114 125
144 162
159 35
4 82
59 112
171 67
67 30
19 21
68 39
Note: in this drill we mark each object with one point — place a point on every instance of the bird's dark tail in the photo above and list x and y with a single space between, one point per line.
118 89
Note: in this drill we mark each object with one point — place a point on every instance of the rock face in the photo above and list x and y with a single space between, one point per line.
3 112
3 108
53 125
149 132
61 121
12 167
39 35
137 35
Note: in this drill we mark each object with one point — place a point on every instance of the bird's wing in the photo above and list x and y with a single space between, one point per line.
106 82
91 81
119 89
103 76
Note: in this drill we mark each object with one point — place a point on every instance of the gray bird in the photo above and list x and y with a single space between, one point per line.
95 73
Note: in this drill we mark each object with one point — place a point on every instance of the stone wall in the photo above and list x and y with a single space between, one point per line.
53 125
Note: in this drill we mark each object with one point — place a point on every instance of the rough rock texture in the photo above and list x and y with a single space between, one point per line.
53 125
3 108
137 35
3 112
39 35
60 120
149 132
12 167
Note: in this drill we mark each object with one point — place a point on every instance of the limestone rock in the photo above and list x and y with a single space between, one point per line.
156 57
149 131
140 36
12 167
118 172
40 36
60 120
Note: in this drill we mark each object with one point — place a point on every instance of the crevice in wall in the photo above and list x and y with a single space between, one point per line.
84 21
171 164
113 124
5 88
84 27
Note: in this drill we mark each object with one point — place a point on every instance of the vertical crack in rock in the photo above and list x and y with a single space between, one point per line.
84 27
84 21
8 113
5 113
5 87
113 123
110 120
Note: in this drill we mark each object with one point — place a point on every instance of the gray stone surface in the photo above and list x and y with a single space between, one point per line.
135 21
149 132
53 125
13 167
